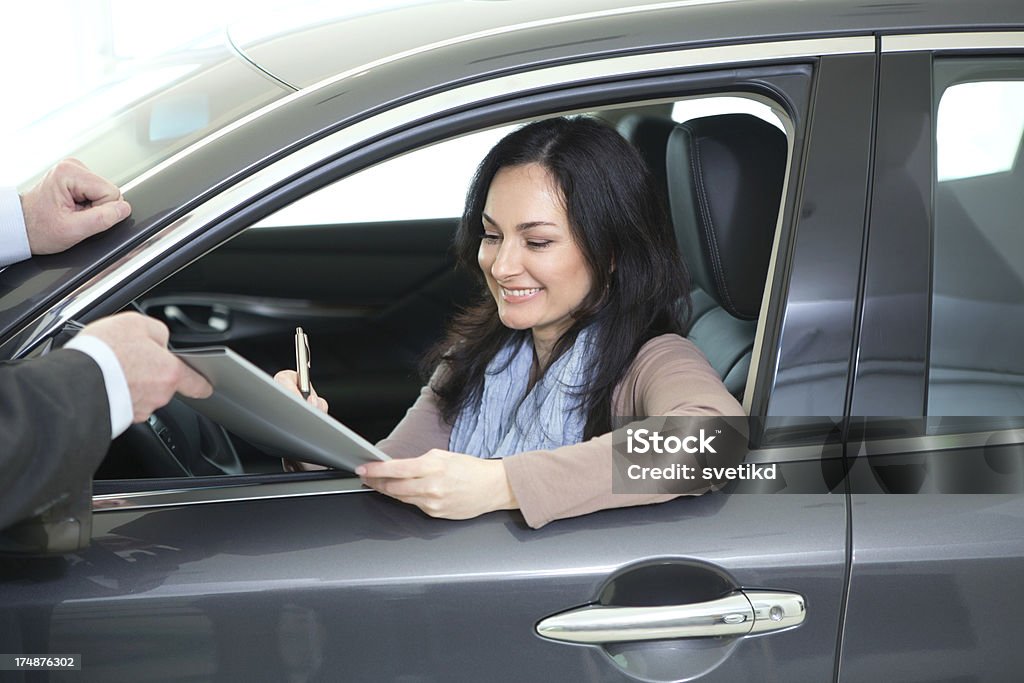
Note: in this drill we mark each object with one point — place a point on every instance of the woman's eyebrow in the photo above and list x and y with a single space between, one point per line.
521 226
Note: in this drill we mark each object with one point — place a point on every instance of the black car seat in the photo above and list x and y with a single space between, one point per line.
725 176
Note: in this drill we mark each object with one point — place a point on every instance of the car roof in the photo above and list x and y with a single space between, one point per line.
303 48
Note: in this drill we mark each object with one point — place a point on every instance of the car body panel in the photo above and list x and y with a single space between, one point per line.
927 609
810 375
354 586
893 365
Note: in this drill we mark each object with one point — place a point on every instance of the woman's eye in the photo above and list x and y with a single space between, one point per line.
538 244
490 237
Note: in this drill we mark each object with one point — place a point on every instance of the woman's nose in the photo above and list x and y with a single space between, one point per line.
507 261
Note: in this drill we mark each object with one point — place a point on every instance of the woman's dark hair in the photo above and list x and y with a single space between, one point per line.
618 220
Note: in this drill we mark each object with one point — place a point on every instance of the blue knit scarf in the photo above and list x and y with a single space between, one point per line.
508 420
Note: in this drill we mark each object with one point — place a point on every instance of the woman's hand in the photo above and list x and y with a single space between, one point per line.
443 484
289 379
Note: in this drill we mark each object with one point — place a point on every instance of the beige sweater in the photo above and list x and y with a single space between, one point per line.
669 376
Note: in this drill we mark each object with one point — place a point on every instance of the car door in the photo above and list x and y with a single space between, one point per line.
939 377
308 577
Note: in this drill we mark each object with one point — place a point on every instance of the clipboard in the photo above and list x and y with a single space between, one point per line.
251 404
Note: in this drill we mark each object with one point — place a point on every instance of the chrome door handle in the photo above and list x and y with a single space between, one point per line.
738 614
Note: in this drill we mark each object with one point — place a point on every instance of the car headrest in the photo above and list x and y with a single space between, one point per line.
725 176
649 134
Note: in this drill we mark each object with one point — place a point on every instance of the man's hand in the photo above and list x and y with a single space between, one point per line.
154 374
443 484
69 204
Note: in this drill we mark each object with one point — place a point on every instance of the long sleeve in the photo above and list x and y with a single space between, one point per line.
668 377
14 245
54 430
119 396
421 429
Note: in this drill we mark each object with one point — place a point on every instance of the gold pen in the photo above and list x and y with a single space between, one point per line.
302 363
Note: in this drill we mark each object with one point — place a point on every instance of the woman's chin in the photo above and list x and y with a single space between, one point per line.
514 324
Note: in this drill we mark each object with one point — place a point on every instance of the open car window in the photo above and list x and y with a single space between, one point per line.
364 265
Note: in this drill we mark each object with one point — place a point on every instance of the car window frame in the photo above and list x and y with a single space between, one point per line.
833 171
161 492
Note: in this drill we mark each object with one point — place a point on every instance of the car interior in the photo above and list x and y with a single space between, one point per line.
375 295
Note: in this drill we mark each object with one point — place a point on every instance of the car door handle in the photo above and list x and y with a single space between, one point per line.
214 319
737 614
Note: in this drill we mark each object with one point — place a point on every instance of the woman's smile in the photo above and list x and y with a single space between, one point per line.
517 296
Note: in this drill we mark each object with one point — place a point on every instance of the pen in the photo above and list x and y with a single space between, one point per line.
302 361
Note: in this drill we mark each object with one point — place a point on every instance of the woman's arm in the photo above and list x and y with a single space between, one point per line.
421 430
427 475
669 377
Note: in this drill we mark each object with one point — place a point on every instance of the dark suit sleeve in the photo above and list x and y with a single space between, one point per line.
54 430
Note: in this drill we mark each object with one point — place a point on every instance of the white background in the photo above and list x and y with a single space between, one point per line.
54 51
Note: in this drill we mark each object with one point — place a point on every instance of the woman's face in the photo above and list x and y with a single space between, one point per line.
534 269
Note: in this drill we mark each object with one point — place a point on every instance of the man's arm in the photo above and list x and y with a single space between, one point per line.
68 205
54 430
55 411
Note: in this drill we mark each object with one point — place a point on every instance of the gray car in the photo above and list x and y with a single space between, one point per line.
845 180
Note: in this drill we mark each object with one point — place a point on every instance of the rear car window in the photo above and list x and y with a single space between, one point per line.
976 367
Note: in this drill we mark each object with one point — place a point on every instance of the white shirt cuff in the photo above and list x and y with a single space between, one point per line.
118 396
13 233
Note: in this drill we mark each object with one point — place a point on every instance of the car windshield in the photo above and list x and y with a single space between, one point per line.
146 115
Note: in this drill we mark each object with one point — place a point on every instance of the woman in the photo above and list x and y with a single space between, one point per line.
584 290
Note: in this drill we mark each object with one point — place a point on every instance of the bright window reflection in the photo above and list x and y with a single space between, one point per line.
684 110
428 183
53 136
979 128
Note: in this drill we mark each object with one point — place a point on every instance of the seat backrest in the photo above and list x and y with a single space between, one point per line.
725 175
649 134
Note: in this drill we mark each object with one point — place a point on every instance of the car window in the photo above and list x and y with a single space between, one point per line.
364 265
431 182
427 183
977 321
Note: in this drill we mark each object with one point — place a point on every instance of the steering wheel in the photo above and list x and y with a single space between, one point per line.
177 441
